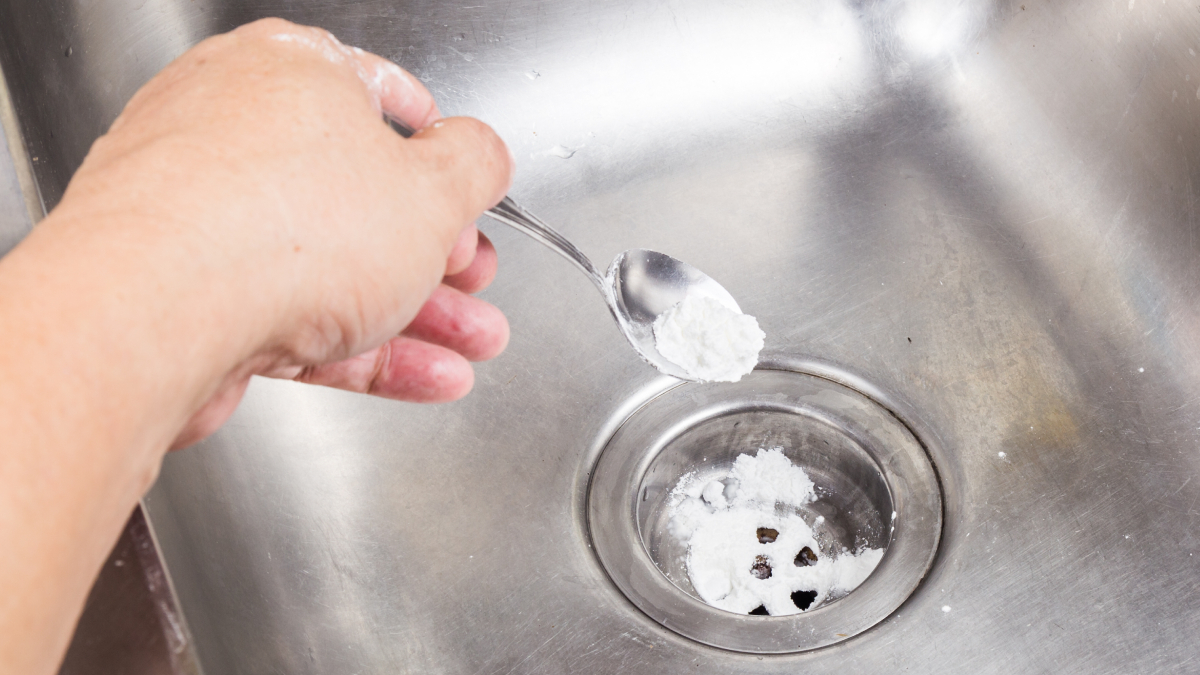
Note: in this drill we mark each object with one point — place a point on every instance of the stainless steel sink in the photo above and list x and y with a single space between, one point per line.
986 211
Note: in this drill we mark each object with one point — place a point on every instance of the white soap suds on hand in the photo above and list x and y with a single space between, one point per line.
382 79
727 562
709 339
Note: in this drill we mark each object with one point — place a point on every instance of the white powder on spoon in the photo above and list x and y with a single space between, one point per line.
745 553
710 340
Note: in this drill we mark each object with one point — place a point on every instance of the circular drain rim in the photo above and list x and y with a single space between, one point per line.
901 458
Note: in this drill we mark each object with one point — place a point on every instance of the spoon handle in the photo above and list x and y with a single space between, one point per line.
511 214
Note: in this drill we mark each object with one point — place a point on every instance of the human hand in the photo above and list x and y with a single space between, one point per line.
321 259
248 212
429 362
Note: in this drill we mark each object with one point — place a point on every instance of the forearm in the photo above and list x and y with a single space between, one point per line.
91 395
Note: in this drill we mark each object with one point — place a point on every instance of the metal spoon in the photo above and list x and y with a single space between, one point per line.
639 285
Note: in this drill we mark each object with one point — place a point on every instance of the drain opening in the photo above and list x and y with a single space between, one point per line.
710 511
863 465
804 599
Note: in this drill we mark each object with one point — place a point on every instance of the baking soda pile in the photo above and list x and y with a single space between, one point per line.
743 554
711 340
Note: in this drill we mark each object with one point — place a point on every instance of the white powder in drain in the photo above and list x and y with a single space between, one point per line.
726 522
709 339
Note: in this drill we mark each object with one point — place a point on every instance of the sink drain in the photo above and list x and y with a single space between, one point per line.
876 490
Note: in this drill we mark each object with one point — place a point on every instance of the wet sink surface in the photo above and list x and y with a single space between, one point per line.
986 210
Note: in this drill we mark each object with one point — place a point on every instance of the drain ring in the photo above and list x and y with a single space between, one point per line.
787 400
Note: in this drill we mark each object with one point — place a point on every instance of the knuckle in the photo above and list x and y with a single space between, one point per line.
489 145
487 156
268 26
471 162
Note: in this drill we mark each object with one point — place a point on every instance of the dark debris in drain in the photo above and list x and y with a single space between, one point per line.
761 569
767 535
805 557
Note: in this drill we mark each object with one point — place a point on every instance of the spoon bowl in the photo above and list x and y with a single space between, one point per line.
643 284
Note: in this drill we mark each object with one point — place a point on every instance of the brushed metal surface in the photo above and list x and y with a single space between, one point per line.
15 219
988 209
130 624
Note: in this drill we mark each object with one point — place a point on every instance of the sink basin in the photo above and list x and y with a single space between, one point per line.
984 212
